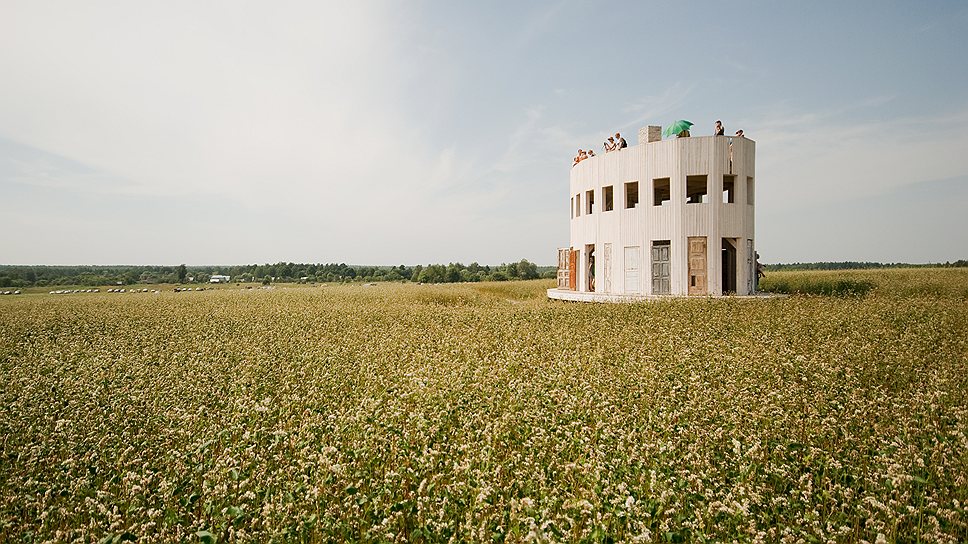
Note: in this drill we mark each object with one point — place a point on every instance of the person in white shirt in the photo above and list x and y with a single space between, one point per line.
620 141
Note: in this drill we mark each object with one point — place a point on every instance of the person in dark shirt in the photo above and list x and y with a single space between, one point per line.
620 141
720 129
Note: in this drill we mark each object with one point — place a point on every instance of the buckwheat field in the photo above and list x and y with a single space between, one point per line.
487 413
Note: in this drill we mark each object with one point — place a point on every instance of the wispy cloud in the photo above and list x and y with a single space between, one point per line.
809 158
650 108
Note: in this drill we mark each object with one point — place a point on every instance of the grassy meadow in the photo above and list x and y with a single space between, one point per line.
487 413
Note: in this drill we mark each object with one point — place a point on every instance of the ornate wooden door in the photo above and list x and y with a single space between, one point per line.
661 284
573 270
697 265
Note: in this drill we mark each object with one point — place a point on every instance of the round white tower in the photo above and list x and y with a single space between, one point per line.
662 218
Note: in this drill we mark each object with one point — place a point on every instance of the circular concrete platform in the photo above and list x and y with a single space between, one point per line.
580 296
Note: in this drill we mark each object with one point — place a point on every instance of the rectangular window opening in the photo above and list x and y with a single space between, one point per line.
577 204
607 201
572 207
589 202
697 190
660 191
729 189
749 190
631 194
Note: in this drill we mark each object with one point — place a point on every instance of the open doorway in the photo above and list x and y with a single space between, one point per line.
728 279
590 270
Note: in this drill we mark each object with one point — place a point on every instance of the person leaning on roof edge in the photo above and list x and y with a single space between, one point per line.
610 144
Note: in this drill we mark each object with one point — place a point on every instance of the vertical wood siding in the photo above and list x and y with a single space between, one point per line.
676 221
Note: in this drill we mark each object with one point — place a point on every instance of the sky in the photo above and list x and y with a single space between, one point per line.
433 132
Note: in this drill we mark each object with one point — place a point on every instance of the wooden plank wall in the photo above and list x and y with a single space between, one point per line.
676 221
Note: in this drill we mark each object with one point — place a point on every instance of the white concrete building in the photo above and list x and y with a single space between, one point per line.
667 217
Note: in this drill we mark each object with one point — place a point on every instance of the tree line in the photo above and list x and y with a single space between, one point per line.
860 265
43 276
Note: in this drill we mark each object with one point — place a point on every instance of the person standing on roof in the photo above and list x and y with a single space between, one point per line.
720 130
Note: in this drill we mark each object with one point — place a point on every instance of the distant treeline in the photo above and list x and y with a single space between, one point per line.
854 265
42 276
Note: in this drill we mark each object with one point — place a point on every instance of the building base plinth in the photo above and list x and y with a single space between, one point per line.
584 296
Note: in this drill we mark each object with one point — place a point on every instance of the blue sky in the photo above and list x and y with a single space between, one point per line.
388 133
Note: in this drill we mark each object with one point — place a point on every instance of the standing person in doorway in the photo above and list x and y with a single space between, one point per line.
760 271
720 129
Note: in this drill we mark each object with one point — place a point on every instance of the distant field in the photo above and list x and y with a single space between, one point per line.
486 413
136 287
893 282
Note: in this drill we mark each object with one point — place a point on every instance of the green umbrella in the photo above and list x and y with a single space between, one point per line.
677 127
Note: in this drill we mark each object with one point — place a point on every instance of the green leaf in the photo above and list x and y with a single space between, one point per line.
206 537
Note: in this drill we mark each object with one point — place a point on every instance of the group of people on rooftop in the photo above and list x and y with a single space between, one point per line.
614 143
718 130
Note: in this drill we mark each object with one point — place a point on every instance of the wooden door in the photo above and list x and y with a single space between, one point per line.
697 265
563 255
632 269
573 270
661 270
607 270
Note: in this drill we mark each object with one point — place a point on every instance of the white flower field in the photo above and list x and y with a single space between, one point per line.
487 413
